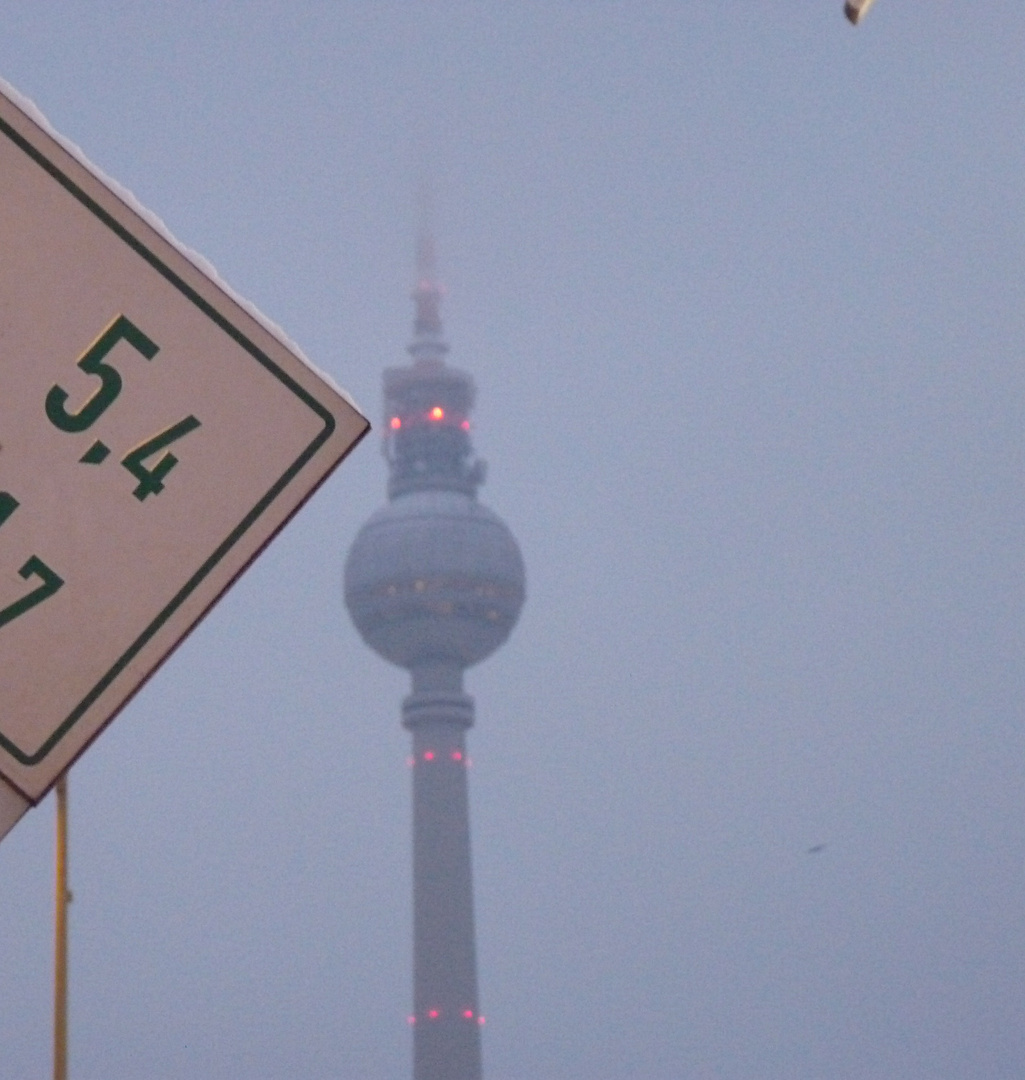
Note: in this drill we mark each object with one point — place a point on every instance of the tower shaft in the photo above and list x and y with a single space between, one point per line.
446 1034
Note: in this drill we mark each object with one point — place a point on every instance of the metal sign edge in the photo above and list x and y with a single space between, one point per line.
357 426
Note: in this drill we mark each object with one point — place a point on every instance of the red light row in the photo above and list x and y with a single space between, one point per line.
430 755
436 415
435 1014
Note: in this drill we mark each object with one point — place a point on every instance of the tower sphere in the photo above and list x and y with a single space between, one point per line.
434 577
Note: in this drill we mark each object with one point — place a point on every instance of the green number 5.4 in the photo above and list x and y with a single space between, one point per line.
151 481
93 363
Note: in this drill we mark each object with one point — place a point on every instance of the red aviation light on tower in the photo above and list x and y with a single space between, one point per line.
441 415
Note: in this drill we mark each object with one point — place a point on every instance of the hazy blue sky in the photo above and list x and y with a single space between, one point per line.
742 290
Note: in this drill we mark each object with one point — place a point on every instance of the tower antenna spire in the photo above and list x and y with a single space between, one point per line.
428 337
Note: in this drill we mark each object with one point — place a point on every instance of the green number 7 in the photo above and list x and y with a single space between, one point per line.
51 581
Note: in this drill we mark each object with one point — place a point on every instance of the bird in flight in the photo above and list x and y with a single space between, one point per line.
816 849
855 10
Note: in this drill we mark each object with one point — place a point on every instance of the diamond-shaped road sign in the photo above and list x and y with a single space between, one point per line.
154 435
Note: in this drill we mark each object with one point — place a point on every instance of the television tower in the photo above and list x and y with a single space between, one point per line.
434 583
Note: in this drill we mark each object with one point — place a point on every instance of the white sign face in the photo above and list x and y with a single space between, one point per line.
153 437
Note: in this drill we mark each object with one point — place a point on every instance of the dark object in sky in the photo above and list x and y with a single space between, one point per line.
856 10
434 583
816 849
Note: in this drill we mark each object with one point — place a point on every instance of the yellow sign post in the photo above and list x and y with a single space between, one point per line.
60 967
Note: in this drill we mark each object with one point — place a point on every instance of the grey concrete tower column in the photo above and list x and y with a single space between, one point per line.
446 1040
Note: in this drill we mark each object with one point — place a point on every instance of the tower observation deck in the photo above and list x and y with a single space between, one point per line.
434 582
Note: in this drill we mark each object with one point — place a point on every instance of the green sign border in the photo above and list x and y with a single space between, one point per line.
258 355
